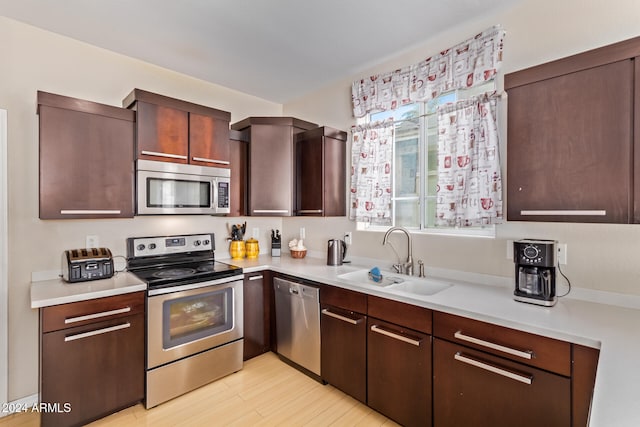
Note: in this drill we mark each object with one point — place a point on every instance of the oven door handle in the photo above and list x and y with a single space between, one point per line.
179 288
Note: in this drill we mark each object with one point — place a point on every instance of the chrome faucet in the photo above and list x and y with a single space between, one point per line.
407 267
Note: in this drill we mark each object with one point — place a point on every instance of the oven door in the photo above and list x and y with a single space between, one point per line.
193 320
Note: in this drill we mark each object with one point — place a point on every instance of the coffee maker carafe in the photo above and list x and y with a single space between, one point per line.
535 262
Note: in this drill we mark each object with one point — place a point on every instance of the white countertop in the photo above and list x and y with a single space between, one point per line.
615 330
56 291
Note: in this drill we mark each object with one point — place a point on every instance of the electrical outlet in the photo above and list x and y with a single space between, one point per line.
256 233
562 253
348 238
510 249
92 241
302 235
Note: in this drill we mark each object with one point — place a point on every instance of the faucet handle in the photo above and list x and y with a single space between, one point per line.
421 268
399 268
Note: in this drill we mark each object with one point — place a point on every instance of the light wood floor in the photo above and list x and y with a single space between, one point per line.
266 392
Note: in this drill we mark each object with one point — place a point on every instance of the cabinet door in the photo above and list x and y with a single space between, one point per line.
309 175
271 170
86 165
97 369
321 172
344 350
208 141
569 148
335 176
256 314
163 133
399 373
472 388
238 152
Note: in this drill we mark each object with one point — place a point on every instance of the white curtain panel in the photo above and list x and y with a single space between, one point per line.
371 173
469 190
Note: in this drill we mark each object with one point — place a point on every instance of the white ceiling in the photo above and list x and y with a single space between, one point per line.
278 50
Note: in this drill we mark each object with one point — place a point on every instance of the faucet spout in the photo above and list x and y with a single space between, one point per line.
408 265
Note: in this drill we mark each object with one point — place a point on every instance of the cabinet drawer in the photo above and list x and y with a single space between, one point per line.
407 315
84 312
473 388
534 350
343 298
97 369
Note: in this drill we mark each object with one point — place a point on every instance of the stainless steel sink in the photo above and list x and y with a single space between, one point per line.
397 282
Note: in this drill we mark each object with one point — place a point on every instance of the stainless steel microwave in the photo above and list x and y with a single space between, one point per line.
165 188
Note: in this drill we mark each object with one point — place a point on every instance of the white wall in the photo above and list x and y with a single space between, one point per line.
34 60
601 257
4 330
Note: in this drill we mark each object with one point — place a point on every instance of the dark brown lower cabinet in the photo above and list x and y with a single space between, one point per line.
256 314
473 388
344 350
94 369
399 373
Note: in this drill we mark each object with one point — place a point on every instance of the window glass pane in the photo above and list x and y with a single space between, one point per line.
406 159
403 113
407 213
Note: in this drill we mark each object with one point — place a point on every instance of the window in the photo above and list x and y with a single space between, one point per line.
415 164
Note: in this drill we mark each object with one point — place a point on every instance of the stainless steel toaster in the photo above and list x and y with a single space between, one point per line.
81 265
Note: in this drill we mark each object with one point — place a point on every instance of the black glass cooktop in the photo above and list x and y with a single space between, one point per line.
160 276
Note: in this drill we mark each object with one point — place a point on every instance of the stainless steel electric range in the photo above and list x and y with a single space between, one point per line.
194 313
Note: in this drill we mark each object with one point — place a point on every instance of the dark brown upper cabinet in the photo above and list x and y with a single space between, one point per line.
86 159
238 153
321 172
271 168
173 130
573 138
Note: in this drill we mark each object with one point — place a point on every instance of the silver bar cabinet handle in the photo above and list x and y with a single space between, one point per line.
256 277
90 212
96 315
310 211
270 211
97 332
398 337
167 155
217 162
469 361
574 212
339 317
525 354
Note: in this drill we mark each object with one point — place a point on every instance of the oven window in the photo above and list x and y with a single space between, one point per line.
177 193
198 316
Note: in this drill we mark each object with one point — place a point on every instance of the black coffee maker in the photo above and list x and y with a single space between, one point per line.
535 271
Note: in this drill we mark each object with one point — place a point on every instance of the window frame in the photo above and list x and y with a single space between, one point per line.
488 231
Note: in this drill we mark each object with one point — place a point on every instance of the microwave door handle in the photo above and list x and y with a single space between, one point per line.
214 198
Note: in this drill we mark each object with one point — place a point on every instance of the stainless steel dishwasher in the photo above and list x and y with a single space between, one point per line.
298 323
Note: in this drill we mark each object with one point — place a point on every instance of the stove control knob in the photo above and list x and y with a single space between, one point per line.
196 243
206 242
152 246
141 247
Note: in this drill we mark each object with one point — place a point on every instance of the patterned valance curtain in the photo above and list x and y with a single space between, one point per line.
371 173
469 190
468 64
